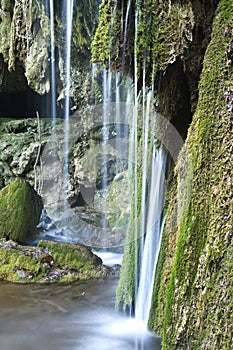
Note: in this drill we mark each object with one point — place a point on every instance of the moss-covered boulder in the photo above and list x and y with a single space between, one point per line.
20 210
49 262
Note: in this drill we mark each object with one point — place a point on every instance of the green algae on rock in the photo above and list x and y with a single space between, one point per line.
20 210
49 262
192 306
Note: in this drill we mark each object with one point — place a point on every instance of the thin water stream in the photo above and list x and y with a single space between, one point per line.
67 317
81 315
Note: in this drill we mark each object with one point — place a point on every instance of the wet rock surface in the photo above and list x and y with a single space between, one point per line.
50 262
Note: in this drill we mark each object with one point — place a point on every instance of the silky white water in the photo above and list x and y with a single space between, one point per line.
74 316
153 234
53 64
116 90
68 41
135 147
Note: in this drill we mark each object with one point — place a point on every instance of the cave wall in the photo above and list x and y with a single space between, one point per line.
25 50
167 32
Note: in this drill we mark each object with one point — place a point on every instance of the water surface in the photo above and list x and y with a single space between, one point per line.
78 316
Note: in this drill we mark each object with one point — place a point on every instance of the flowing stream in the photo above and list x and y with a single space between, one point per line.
67 317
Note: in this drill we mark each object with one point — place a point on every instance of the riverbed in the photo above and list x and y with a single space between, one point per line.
77 316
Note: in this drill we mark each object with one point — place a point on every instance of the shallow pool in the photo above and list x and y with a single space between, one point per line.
78 316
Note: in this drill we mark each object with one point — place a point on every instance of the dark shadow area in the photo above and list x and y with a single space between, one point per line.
25 104
174 97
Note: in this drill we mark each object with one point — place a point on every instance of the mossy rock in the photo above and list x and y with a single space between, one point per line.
49 262
20 210
76 256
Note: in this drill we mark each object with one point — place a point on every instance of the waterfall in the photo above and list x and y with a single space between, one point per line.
146 111
135 140
107 90
69 18
153 235
117 89
56 153
93 74
146 171
53 64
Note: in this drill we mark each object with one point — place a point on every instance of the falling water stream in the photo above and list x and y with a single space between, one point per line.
153 234
81 315
53 64
69 20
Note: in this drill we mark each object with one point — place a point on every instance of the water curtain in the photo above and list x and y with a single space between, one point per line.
146 159
69 19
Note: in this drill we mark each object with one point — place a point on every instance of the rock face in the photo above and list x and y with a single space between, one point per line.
191 43
20 210
192 306
49 262
30 151
25 51
171 36
19 148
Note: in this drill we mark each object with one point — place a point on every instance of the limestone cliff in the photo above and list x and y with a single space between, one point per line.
25 49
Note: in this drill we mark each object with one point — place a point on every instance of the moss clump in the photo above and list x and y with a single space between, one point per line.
162 32
48 262
20 210
193 308
105 39
76 256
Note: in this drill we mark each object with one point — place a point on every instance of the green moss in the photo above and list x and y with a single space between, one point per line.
163 33
109 25
77 257
187 292
48 262
125 295
16 267
7 5
85 22
20 210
